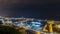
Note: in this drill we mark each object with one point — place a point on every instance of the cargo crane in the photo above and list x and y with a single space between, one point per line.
50 29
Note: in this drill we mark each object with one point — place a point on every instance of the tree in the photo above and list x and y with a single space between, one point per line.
8 30
1 22
56 29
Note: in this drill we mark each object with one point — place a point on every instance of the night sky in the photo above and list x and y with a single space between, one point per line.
42 9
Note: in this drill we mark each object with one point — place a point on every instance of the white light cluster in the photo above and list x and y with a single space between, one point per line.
32 25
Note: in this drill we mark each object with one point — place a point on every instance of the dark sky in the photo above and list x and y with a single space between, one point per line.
44 9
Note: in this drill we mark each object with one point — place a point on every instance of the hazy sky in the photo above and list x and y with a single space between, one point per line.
43 9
